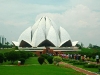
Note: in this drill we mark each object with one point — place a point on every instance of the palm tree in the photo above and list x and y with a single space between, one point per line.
7 44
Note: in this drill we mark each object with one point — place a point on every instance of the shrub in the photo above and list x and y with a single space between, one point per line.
5 59
35 55
1 58
72 61
93 60
22 61
45 56
50 59
16 47
79 63
23 54
6 55
41 60
12 56
91 66
64 59
56 60
30 54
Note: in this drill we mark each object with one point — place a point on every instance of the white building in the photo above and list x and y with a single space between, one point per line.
2 40
44 33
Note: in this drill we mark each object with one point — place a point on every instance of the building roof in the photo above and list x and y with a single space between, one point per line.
44 33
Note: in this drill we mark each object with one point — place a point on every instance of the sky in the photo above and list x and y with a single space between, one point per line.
81 18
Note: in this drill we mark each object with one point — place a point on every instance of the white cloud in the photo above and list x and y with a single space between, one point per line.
80 22
77 16
18 7
92 4
14 23
18 13
81 18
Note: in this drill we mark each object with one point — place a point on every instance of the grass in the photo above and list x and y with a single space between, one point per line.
37 70
5 50
81 66
90 69
32 67
32 60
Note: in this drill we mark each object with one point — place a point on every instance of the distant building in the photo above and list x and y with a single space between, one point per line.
2 40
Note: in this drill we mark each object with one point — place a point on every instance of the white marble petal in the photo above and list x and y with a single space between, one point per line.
26 36
15 43
48 25
64 36
52 36
40 36
74 43
35 26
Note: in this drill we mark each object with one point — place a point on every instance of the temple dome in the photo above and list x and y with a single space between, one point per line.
44 33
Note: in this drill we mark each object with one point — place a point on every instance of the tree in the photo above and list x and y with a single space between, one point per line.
7 44
6 55
95 46
1 58
90 45
78 45
0 45
23 54
82 45
13 56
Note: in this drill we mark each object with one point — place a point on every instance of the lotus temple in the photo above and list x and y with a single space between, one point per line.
45 36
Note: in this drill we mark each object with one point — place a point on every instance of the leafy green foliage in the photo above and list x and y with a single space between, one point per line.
7 56
22 61
41 60
90 52
79 63
1 58
23 54
45 56
30 54
72 61
57 59
13 56
91 65
50 59
0 45
16 47
7 45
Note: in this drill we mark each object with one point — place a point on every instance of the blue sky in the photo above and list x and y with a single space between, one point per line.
81 18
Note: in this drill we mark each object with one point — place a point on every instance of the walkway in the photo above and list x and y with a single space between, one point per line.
78 69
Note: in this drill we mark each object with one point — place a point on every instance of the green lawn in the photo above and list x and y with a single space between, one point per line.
32 67
5 50
81 66
37 70
32 60
90 69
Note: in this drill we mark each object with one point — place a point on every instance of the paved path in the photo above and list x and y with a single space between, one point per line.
78 69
